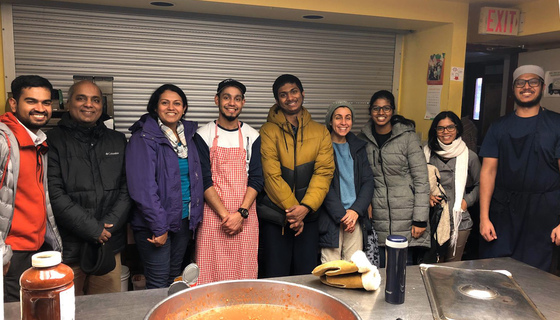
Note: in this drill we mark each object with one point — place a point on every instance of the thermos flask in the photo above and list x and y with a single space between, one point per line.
396 247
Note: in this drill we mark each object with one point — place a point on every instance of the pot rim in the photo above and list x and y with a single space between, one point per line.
278 282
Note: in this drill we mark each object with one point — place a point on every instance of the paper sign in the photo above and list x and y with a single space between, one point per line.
552 84
457 74
433 99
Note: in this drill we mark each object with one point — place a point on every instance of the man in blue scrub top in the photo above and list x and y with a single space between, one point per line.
520 178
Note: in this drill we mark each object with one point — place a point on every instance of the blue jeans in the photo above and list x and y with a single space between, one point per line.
163 264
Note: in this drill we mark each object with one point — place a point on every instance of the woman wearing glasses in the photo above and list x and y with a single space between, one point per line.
459 168
401 195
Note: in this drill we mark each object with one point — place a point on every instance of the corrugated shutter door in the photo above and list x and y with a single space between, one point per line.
142 51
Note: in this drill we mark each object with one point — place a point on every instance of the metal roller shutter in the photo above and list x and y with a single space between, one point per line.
143 50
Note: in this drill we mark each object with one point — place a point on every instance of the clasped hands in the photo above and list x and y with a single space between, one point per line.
295 216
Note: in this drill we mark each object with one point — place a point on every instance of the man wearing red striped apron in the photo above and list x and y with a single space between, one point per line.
227 239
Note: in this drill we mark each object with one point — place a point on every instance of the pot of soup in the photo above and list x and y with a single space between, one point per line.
251 299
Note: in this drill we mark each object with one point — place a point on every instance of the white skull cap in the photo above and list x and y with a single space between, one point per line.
528 68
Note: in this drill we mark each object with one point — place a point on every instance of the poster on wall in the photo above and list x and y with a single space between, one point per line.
552 84
435 69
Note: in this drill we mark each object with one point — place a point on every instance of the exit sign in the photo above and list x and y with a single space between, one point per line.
504 21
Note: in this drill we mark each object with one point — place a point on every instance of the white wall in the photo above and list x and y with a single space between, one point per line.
549 61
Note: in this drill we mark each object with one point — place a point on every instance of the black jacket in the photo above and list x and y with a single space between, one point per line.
87 184
329 223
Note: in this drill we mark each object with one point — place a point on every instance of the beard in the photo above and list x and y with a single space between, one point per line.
30 124
529 104
228 117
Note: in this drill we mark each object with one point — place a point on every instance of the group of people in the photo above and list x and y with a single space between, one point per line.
518 183
273 202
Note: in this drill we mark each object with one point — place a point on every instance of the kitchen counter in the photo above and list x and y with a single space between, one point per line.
540 286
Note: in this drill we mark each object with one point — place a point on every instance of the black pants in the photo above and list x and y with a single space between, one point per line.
285 254
21 261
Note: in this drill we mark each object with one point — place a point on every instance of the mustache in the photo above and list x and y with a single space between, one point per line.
37 112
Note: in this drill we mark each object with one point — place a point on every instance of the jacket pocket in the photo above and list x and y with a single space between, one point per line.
111 167
269 212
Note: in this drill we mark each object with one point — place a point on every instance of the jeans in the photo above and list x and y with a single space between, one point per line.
163 264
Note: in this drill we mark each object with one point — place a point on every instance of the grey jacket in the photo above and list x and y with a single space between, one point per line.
9 187
447 173
402 190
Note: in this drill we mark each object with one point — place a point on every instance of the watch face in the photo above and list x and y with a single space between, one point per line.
244 212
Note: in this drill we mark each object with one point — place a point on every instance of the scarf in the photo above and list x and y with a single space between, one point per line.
179 146
457 149
442 232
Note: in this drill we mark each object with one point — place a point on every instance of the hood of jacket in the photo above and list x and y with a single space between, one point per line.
397 130
275 115
355 143
150 127
82 133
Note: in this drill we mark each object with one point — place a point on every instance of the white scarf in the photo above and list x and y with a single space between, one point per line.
457 149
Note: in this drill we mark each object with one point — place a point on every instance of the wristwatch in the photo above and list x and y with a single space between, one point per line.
244 212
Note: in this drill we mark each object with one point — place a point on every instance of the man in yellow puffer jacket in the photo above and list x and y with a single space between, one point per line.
298 165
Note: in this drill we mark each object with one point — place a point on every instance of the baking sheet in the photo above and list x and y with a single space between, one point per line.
457 294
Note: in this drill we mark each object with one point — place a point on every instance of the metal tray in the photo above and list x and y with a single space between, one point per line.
457 294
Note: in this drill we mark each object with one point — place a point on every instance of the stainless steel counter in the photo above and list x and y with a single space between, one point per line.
543 288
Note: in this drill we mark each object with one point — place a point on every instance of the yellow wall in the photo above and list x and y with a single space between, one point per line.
540 17
425 10
412 102
415 64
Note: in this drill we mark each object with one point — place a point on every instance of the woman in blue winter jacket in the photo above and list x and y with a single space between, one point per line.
165 181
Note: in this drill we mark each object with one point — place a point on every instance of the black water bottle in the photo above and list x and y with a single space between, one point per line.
397 252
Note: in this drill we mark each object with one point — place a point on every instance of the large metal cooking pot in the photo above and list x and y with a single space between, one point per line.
226 293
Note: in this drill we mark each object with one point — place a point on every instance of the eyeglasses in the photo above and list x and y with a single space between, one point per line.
450 128
385 109
533 82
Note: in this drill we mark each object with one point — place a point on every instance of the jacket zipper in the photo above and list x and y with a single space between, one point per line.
295 171
386 189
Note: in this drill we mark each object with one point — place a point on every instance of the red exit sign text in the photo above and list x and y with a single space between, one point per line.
504 21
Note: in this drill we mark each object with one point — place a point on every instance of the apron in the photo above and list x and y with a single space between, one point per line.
221 256
525 206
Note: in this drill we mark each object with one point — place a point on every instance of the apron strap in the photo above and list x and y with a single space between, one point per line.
240 135
215 141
